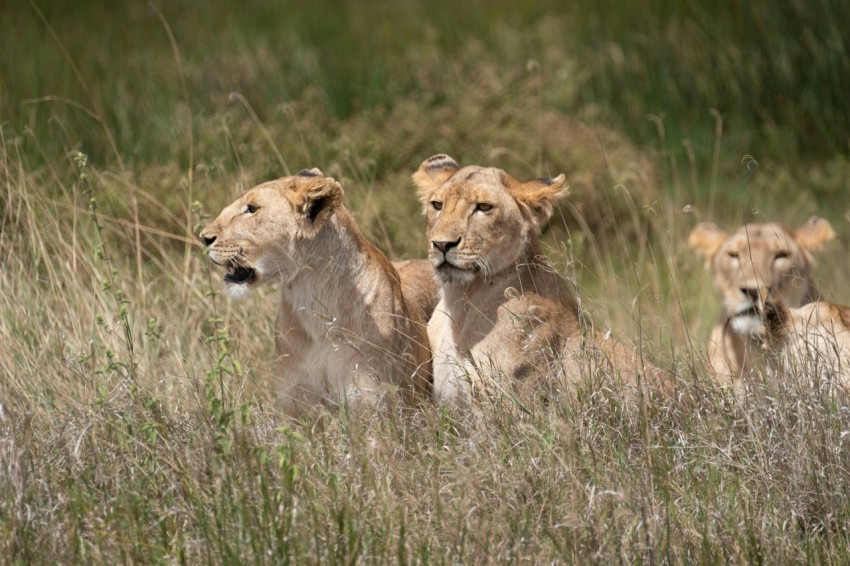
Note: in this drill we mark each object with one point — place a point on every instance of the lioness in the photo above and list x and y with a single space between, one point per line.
504 316
345 328
756 258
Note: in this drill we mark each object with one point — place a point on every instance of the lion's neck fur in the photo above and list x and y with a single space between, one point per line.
339 279
735 355
343 329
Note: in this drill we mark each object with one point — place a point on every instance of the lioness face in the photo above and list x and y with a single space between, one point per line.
479 220
760 261
257 237
474 226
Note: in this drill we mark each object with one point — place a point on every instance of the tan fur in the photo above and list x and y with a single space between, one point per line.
504 318
419 285
755 259
345 329
809 343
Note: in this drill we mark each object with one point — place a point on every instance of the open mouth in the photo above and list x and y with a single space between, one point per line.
752 311
240 275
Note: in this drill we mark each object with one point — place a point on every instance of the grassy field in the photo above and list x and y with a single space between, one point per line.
135 419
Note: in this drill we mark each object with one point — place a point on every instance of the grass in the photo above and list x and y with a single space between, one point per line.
135 419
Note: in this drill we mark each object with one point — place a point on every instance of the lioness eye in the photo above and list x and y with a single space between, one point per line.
781 255
733 255
437 205
251 208
483 206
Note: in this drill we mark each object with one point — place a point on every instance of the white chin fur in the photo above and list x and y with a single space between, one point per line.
237 290
747 325
454 276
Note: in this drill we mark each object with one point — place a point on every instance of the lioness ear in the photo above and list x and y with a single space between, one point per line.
707 238
538 196
317 200
432 173
814 234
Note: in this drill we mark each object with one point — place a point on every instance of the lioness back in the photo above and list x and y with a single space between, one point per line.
753 260
345 330
504 319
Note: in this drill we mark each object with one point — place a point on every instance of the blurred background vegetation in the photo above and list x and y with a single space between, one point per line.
778 73
105 78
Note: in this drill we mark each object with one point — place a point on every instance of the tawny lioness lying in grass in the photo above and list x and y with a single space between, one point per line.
757 258
504 319
349 322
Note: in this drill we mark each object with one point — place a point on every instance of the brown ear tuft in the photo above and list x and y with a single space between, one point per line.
316 200
314 172
814 234
539 196
432 173
707 238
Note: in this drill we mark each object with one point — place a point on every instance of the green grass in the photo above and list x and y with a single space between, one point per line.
136 421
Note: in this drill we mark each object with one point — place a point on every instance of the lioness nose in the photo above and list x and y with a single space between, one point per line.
207 240
445 246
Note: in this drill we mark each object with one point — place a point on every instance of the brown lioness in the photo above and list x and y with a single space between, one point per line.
346 327
504 318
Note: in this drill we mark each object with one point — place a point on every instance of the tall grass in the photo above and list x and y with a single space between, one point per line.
135 419
777 73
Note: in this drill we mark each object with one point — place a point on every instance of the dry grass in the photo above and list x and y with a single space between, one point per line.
135 424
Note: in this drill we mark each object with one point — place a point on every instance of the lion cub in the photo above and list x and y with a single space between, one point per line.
504 317
755 259
349 323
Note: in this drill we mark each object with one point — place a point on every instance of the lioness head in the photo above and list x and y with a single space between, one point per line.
758 261
480 219
258 235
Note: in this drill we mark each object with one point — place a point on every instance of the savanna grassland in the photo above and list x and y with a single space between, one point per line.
136 423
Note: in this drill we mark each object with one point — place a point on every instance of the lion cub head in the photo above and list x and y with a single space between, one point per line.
480 219
258 237
761 260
